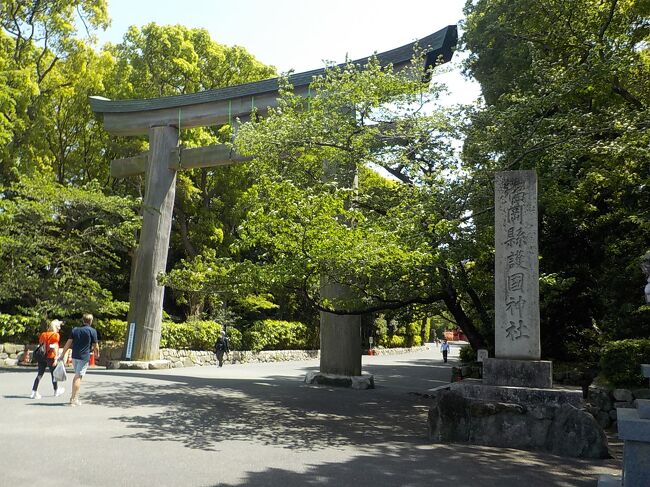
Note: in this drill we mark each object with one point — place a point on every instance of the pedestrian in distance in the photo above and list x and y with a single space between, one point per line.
221 347
49 340
444 348
82 340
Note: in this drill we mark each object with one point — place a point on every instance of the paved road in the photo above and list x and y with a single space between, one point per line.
254 425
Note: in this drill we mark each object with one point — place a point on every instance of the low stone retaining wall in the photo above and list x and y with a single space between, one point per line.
190 358
398 351
199 358
602 403
10 354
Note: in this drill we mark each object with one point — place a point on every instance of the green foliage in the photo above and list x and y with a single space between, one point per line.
114 309
62 248
256 305
155 61
396 341
19 329
393 245
621 361
110 329
277 335
467 355
190 335
235 338
566 93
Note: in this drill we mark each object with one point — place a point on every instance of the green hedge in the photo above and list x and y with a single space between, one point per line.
110 330
191 335
277 335
620 361
467 355
19 329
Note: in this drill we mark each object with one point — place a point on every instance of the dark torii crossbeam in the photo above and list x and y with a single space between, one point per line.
160 118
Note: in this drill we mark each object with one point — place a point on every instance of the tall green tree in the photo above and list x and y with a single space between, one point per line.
36 37
396 244
567 93
62 249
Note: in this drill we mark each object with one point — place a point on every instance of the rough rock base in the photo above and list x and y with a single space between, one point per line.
365 381
561 429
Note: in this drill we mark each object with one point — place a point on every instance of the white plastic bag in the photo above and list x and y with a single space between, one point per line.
60 374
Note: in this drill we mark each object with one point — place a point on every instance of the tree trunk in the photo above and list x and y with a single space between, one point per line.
464 322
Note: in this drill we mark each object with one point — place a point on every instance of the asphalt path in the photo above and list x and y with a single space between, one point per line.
254 425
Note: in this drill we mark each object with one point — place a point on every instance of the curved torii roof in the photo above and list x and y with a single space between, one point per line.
218 106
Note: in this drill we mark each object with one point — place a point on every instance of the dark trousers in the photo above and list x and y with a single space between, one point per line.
220 357
444 355
49 363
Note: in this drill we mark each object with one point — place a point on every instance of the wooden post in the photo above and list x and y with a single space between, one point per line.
145 295
340 335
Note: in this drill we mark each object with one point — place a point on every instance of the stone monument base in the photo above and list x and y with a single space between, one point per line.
516 417
365 381
531 397
518 373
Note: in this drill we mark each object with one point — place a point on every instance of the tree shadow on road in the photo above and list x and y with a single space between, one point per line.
387 426
283 411
416 465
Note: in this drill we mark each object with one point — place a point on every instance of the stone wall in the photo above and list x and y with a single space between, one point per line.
190 358
10 354
398 351
602 403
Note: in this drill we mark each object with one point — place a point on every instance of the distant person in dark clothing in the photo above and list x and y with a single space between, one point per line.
82 340
221 347
444 348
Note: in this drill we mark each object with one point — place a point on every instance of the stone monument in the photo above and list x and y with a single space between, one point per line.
514 405
516 286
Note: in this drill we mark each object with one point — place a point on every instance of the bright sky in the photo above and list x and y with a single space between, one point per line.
302 34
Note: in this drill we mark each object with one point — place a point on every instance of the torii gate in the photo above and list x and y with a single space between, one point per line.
160 119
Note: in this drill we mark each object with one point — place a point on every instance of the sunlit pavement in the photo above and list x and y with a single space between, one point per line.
254 425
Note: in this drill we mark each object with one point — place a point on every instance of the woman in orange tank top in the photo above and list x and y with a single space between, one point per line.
50 340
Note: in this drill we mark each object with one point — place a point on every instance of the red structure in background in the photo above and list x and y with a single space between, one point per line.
455 336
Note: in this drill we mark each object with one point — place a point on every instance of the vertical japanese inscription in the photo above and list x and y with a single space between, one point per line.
516 269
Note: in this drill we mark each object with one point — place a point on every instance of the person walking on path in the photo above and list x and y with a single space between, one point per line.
444 348
221 347
50 341
81 340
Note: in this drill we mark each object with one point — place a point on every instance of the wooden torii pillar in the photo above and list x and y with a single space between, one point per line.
159 118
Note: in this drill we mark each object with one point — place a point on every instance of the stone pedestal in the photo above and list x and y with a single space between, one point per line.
634 430
526 396
518 373
516 417
514 406
635 433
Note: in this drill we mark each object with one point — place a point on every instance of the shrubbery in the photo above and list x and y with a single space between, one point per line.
277 335
620 361
389 335
19 329
111 330
467 355
191 335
